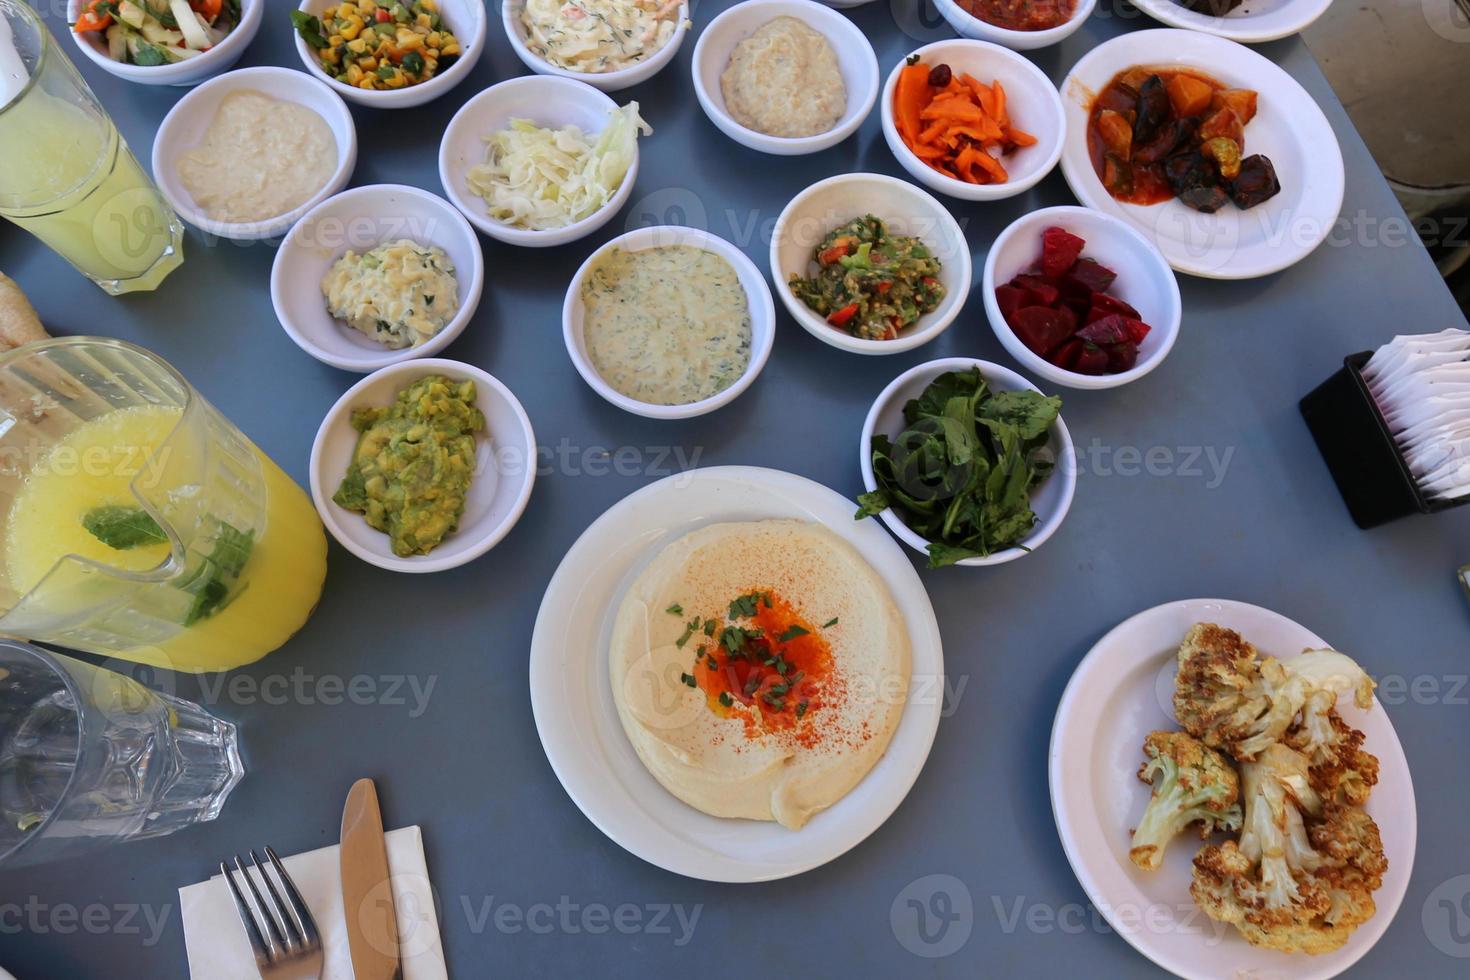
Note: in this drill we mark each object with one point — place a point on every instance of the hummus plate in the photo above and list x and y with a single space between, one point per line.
577 716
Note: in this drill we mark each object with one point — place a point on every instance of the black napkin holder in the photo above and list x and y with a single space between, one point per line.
1367 465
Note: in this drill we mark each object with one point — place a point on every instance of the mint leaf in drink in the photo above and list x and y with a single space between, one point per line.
212 582
123 527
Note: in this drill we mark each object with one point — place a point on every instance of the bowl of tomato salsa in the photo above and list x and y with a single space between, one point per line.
1018 24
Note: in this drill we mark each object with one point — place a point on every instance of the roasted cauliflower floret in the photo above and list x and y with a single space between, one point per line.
1192 784
1341 771
1233 699
1303 875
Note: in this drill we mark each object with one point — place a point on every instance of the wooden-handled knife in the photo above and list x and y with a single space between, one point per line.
367 891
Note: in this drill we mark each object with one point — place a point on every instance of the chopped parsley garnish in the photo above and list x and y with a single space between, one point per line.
792 632
688 632
744 607
735 638
725 699
709 627
830 623
751 683
675 609
801 708
688 679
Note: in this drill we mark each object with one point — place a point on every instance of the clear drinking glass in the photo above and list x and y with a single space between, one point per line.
66 175
90 757
138 521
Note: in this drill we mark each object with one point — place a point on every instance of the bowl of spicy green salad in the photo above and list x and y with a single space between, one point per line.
967 462
870 263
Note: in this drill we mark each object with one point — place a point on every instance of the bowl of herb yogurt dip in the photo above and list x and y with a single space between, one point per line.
669 322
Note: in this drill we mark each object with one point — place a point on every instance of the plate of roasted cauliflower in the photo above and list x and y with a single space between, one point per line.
1231 795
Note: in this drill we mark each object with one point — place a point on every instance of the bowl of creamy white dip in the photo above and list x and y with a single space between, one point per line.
246 154
609 44
669 322
785 77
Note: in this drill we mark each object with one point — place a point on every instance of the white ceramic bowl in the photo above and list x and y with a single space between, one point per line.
855 59
505 468
1144 282
546 101
1249 23
93 45
184 127
609 81
1031 101
466 18
362 219
907 210
1289 128
757 297
968 25
1051 500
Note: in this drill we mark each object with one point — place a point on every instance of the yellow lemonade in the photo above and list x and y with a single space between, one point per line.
102 467
67 177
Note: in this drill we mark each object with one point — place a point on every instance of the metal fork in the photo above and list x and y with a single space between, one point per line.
282 933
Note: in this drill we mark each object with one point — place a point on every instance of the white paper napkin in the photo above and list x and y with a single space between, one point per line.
215 938
1422 387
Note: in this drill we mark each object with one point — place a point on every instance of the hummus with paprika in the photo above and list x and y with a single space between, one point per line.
760 669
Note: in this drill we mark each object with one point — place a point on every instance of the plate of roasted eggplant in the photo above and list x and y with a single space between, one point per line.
1230 793
1214 153
1247 21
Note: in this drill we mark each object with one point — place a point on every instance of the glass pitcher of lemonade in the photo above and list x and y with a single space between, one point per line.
138 522
66 176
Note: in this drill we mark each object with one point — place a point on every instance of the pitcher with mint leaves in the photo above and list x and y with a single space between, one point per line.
139 522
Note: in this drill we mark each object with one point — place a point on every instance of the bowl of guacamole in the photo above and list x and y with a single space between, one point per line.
423 466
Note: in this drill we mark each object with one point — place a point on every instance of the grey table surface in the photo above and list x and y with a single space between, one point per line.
1237 503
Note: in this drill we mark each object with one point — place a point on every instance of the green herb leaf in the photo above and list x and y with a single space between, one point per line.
725 699
791 633
688 679
123 527
309 27
675 610
830 623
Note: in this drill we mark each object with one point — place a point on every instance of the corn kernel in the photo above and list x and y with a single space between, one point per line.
429 5
357 45
452 47
434 39
424 21
351 29
367 64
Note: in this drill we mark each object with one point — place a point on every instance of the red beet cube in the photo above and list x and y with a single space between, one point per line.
1111 329
1137 330
1059 249
1103 304
1010 299
1092 360
1043 330
1091 274
1042 292
1066 355
1122 357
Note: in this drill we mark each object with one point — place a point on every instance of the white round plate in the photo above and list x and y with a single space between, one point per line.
1252 22
1122 690
578 723
1288 127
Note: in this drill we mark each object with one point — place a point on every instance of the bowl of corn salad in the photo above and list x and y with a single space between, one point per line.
390 54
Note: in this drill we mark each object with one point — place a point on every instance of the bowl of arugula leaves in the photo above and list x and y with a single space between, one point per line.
968 462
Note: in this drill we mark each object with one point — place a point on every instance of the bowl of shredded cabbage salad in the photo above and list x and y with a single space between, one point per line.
541 160
610 44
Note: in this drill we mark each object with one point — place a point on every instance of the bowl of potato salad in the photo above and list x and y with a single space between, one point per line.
390 54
